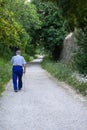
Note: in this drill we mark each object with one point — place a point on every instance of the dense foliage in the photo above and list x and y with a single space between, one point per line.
10 30
80 57
28 18
75 15
52 32
74 11
18 23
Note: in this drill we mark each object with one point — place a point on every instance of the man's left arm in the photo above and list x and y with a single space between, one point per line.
24 68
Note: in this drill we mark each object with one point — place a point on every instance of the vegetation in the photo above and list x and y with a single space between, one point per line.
80 57
18 24
74 12
52 32
10 30
42 26
64 73
75 16
5 73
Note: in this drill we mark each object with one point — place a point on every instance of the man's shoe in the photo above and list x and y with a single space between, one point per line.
16 90
19 89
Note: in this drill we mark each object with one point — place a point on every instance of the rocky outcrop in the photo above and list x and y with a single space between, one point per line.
69 47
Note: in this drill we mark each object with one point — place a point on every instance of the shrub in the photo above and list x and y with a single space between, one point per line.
80 57
5 74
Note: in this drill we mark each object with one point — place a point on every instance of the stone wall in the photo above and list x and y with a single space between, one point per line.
69 47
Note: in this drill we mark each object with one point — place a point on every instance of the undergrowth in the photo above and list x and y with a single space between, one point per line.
63 73
5 74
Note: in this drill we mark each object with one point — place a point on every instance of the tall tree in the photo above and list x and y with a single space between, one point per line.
10 30
52 32
74 12
25 14
18 24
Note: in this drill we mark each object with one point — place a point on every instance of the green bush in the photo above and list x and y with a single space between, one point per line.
5 74
80 57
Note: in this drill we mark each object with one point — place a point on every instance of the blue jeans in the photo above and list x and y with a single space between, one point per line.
17 73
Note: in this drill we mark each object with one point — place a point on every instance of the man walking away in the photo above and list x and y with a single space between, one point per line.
19 67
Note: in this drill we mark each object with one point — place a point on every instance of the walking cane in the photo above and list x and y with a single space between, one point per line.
24 81
24 77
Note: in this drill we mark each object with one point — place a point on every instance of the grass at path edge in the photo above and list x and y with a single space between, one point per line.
63 73
5 74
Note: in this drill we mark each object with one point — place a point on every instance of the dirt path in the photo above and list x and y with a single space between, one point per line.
42 104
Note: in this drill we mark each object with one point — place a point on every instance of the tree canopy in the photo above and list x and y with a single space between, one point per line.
17 20
52 31
74 11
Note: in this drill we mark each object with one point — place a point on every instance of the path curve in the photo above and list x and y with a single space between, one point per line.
42 104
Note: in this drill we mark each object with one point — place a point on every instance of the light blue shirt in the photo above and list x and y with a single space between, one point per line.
18 60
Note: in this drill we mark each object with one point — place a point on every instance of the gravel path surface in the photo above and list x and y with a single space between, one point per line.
42 104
